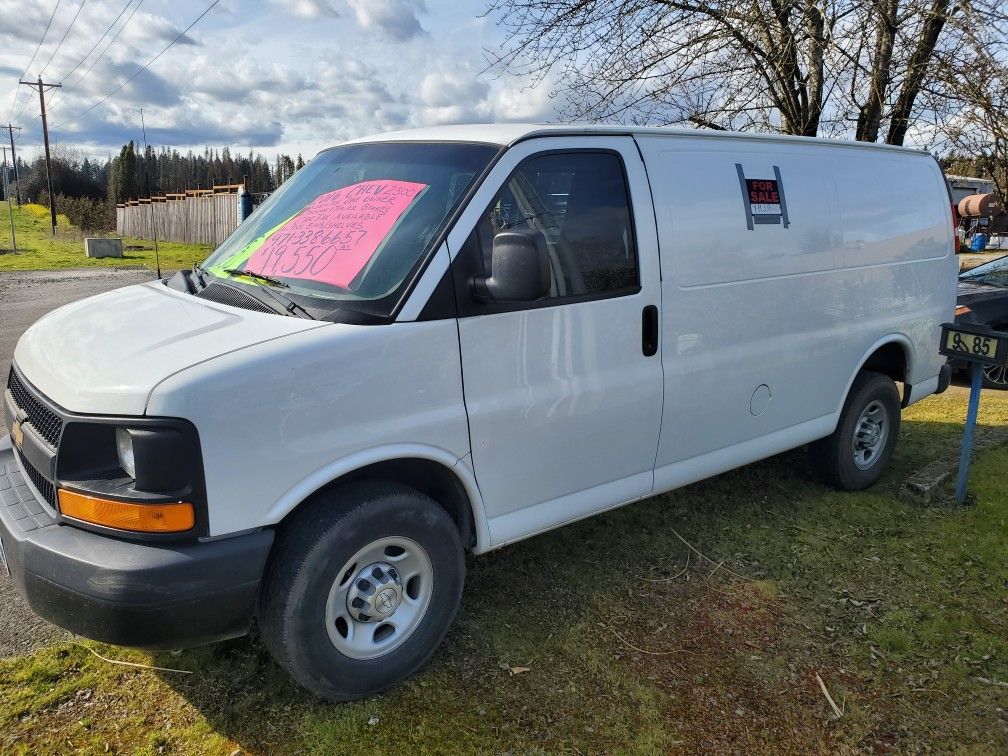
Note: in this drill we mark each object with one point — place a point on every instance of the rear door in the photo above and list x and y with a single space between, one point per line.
564 395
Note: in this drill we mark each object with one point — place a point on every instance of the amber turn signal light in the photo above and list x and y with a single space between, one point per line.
126 515
962 310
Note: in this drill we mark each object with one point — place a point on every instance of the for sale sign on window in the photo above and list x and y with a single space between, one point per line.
763 199
337 234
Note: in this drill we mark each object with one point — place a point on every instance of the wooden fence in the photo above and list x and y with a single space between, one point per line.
197 216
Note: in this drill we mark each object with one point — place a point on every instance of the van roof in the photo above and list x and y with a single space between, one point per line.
509 133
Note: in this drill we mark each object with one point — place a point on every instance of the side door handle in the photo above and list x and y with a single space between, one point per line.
649 331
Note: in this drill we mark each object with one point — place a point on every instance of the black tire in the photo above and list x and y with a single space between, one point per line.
304 564
832 458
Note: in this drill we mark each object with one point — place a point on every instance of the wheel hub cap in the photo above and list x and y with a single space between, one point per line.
375 594
870 435
379 597
997 374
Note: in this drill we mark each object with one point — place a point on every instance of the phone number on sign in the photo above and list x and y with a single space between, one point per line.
309 256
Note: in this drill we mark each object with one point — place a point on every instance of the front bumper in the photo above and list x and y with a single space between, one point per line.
151 594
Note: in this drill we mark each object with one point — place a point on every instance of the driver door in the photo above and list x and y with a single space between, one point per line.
563 393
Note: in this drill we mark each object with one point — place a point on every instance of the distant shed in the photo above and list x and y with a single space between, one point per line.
963 186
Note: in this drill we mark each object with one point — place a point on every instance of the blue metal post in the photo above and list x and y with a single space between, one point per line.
976 382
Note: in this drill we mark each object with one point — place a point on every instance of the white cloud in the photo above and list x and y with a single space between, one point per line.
281 75
151 32
461 96
243 79
451 97
521 101
310 8
393 19
31 19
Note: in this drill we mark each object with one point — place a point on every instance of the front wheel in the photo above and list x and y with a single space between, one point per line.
856 454
361 588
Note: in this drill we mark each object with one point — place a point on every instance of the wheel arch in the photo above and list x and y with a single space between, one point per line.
433 472
891 355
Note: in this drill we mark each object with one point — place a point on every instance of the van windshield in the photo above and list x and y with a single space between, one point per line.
993 272
354 222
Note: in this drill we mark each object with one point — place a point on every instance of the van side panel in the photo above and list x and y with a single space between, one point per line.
764 329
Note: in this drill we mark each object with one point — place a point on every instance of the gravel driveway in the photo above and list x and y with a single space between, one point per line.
24 298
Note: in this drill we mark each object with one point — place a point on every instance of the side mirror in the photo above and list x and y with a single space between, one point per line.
519 269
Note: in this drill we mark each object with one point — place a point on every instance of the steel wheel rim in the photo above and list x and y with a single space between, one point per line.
997 374
379 635
871 431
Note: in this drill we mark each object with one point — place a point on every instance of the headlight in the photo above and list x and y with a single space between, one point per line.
133 474
124 446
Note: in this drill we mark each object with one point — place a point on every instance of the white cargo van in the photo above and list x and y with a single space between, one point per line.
447 340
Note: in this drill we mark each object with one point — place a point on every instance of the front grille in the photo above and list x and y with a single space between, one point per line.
229 295
41 483
41 418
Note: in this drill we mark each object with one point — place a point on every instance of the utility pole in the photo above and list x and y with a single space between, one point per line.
42 87
17 178
157 256
10 209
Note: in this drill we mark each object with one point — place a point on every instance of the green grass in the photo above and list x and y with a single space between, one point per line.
632 644
38 249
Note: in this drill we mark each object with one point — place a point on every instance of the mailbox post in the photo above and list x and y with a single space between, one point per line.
978 347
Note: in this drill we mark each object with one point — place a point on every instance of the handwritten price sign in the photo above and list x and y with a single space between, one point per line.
335 236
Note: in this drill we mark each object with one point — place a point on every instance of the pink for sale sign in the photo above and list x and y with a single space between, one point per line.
335 236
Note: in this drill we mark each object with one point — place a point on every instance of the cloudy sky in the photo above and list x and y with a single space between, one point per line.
271 75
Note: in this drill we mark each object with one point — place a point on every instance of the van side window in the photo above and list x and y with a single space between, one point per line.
579 202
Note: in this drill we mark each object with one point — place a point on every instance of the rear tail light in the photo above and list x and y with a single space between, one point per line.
955 230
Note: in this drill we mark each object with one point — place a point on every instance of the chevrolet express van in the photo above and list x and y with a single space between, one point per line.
443 341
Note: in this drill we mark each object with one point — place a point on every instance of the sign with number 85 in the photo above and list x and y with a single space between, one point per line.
974 344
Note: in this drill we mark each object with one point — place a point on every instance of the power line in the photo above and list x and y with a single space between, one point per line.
101 55
54 52
63 38
143 68
97 42
51 17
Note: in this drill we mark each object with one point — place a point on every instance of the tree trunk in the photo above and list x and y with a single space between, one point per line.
816 25
870 114
916 69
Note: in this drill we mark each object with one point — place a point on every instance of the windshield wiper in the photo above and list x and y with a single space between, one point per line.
261 280
200 274
258 276
987 279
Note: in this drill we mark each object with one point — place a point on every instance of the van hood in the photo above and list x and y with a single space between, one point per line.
105 354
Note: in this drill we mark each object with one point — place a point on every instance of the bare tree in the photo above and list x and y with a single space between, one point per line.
904 58
980 127
720 64
798 66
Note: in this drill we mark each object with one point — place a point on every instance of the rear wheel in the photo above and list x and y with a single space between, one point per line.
856 454
361 588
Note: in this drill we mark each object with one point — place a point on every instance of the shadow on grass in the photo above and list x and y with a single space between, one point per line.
628 652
